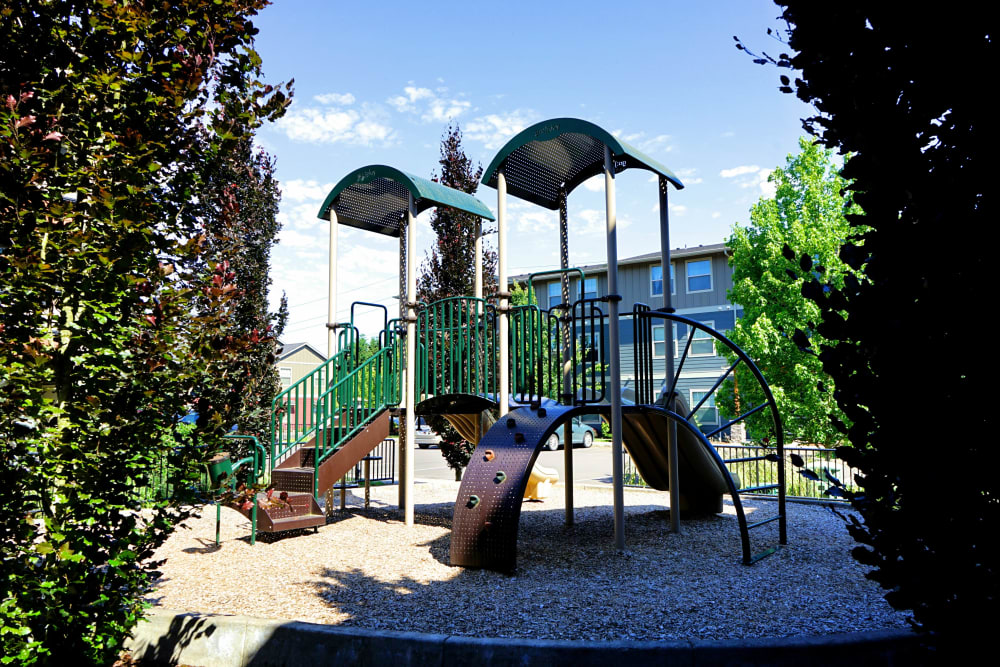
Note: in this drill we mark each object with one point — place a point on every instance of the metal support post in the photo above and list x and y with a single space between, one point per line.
614 352
567 361
504 390
411 355
331 287
402 423
668 337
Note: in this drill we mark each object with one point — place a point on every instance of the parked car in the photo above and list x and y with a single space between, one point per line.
582 435
424 436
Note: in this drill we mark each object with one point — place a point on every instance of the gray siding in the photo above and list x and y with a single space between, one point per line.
634 285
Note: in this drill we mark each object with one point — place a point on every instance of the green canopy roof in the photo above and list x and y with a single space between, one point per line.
563 153
375 198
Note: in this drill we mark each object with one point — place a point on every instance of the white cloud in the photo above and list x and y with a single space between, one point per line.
678 209
595 183
432 105
494 130
344 99
299 190
407 101
739 171
716 215
444 110
333 124
688 177
291 238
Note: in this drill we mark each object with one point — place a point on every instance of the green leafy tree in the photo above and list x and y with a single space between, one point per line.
805 217
449 269
108 319
908 378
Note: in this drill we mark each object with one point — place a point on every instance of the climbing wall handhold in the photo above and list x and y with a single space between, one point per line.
511 423
489 455
500 477
541 412
473 501
518 437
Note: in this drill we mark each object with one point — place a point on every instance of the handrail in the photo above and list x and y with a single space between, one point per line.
553 272
257 472
349 405
458 336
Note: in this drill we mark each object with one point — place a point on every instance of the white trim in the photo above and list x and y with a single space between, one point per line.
673 280
711 325
704 407
711 277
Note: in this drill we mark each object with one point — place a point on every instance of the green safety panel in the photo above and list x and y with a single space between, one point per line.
376 197
560 154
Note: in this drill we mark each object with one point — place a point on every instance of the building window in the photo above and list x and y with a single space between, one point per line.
555 293
285 375
707 414
699 275
656 280
659 342
590 288
702 343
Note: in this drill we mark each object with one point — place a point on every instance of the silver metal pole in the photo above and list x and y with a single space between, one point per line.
411 355
403 428
566 352
331 287
504 388
614 353
479 259
668 337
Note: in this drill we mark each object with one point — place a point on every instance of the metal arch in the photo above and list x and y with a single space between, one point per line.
557 156
779 435
379 201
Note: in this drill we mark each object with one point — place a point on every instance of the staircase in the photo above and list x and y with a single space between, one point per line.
321 427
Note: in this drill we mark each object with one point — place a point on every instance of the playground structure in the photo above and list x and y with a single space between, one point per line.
467 356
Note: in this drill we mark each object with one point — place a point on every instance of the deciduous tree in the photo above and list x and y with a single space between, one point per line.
806 213
911 373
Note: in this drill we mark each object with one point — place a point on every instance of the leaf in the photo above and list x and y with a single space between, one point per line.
797 460
805 262
787 252
809 474
830 478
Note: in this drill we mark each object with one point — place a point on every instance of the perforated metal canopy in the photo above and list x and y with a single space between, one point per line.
375 198
563 152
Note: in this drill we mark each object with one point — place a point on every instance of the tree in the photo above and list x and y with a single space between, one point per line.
241 199
806 213
449 270
909 376
108 321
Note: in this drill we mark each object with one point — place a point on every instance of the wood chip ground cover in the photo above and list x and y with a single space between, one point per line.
366 569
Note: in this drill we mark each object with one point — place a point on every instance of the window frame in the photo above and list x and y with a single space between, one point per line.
673 282
713 406
711 325
548 291
710 274
281 379
597 288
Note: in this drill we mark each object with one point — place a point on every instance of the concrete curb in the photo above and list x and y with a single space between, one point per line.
171 638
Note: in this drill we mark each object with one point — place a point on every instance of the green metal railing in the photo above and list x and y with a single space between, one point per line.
458 338
344 409
292 410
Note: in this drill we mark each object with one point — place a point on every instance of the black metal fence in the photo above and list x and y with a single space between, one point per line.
383 467
759 473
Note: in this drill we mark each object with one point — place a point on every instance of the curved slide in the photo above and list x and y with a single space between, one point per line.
488 508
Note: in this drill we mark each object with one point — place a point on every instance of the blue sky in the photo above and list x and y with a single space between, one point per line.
379 83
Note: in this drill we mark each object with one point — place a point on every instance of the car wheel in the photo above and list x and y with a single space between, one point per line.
552 444
423 445
588 439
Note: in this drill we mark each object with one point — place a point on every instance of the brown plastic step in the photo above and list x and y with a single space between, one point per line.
296 522
298 480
